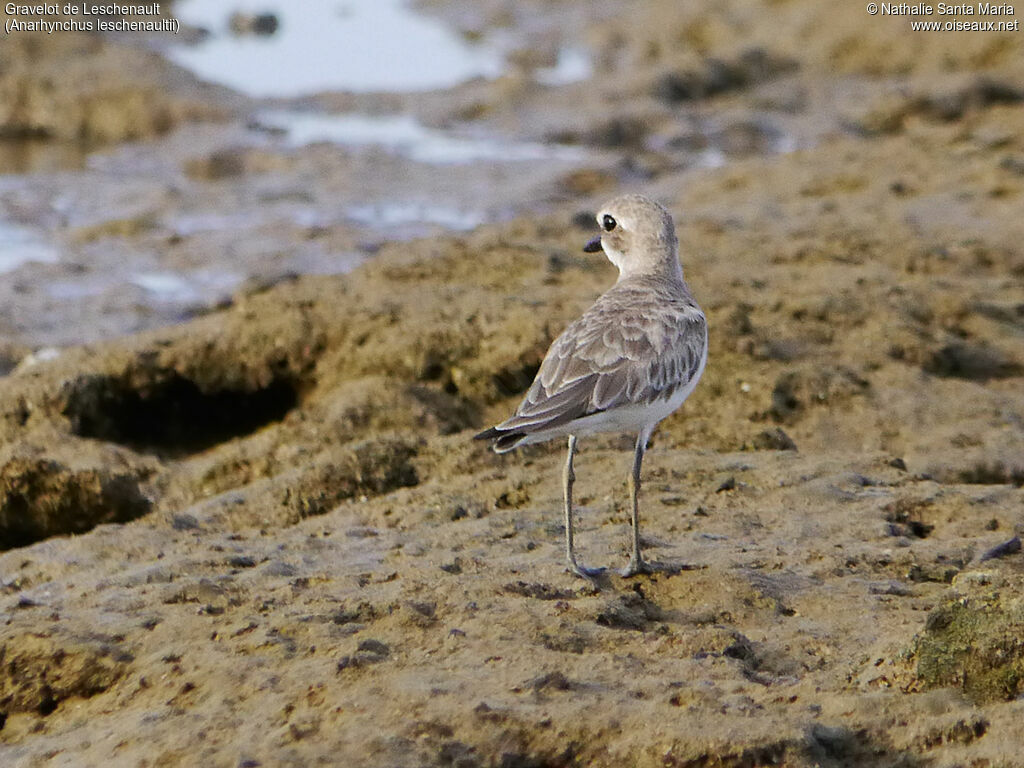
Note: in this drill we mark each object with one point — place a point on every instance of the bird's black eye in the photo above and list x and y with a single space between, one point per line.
608 223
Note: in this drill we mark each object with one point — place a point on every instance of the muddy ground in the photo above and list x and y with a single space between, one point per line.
263 536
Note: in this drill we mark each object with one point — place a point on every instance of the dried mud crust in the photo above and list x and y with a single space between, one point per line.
357 541
42 497
313 561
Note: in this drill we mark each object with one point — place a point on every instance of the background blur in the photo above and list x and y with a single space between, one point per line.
147 176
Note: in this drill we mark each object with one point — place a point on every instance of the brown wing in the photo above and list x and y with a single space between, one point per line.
622 351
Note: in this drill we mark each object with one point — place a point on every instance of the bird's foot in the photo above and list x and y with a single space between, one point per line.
590 574
637 565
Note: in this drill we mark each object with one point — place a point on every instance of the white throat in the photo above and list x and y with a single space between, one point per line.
628 268
615 257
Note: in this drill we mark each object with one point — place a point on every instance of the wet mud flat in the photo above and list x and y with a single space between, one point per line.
264 535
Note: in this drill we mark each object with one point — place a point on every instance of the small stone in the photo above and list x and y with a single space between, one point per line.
973 579
555 680
259 24
361 532
889 588
583 220
974 362
374 646
184 522
279 568
538 591
1012 164
1009 547
774 440
933 572
727 485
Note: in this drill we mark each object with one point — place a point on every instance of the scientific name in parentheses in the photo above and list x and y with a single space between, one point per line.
149 9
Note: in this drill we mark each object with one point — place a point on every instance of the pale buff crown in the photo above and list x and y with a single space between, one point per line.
643 240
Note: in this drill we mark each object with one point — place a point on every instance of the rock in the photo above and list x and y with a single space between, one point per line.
1007 548
801 388
631 611
551 681
588 181
368 652
718 76
619 132
774 440
10 356
222 164
184 522
42 497
975 362
909 516
42 670
71 87
259 24
990 473
891 112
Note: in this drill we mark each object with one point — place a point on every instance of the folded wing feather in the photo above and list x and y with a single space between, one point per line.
613 355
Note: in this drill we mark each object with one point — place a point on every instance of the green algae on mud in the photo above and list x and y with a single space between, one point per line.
975 643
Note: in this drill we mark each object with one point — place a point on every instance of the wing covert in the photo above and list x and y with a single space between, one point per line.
615 354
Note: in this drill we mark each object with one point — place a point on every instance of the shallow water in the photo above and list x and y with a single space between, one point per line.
203 285
331 45
573 66
21 245
399 214
405 136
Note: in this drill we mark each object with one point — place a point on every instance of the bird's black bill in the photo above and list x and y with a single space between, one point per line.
593 246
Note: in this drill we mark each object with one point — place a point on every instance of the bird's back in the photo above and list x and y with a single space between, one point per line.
640 343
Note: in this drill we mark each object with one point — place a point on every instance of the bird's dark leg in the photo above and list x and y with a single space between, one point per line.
636 561
568 478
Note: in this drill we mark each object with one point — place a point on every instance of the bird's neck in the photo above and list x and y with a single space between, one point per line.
669 269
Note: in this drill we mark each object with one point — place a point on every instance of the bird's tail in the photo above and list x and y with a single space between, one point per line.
503 441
